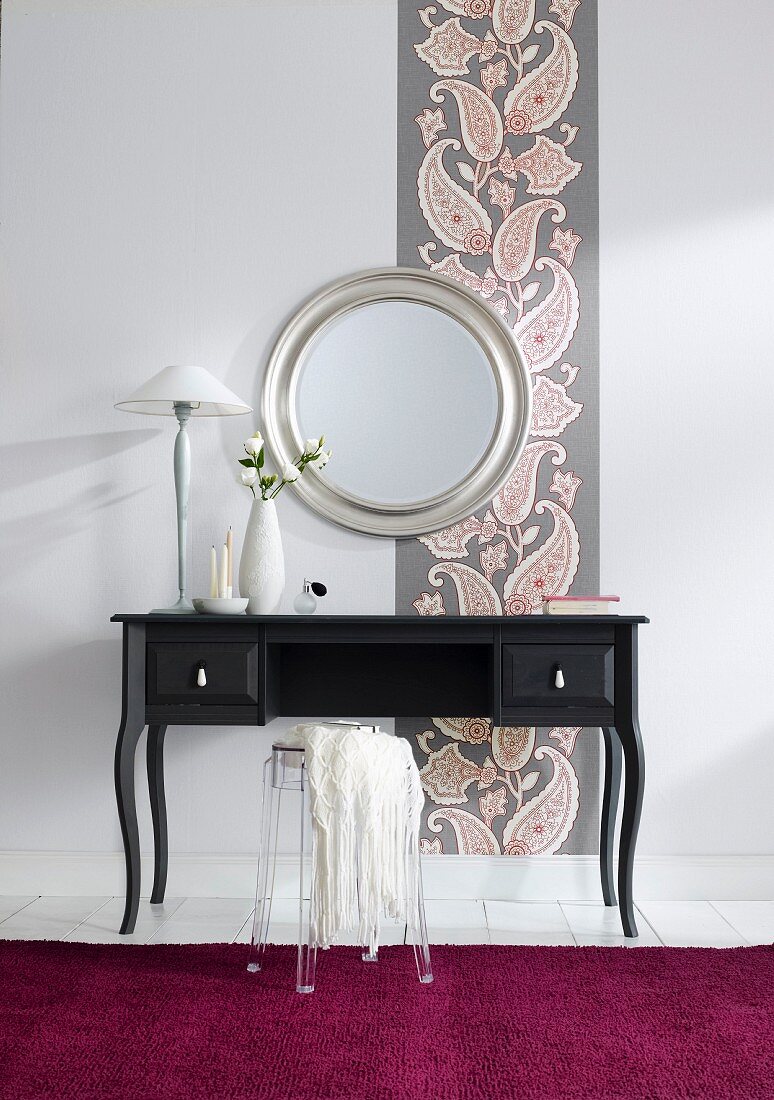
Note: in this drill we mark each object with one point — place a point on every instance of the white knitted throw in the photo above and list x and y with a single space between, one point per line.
366 801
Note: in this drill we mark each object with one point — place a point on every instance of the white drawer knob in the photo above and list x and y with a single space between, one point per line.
201 677
559 678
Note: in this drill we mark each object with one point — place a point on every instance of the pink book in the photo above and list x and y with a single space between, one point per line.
578 605
583 599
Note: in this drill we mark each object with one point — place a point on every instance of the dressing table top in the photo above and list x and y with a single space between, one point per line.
435 620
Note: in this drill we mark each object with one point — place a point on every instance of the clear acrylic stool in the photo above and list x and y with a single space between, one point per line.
285 770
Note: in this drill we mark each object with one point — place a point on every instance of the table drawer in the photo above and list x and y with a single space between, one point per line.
531 673
230 671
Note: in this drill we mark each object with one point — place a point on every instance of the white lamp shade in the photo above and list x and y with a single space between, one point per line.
192 385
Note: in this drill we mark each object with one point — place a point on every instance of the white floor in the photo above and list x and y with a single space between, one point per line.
226 920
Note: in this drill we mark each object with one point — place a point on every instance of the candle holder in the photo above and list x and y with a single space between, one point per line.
220 605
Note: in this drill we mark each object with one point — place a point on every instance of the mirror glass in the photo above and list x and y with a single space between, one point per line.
405 396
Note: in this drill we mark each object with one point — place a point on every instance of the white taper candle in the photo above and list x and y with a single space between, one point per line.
230 577
223 573
213 574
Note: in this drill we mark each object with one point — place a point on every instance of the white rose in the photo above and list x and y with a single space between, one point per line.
291 473
312 446
254 444
248 477
322 460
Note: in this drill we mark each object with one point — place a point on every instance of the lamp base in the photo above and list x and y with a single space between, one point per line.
182 607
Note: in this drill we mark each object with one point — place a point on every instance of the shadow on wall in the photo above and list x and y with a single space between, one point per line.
22 465
65 520
244 375
21 462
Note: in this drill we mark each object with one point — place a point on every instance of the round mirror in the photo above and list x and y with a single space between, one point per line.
419 388
407 395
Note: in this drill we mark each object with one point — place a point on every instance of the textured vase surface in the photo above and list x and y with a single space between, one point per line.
262 565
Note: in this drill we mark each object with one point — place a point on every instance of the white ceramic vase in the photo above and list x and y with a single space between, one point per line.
262 565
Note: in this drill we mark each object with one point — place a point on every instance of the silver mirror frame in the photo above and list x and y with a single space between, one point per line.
514 401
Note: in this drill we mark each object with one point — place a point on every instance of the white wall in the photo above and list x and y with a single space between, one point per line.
175 177
687 234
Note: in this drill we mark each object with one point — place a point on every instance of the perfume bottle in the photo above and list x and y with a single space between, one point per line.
305 602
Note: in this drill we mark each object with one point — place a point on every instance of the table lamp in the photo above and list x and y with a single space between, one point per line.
183 392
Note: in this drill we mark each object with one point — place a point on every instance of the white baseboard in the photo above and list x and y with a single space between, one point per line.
535 878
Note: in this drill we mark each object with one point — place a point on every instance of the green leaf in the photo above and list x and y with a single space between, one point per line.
246 462
260 459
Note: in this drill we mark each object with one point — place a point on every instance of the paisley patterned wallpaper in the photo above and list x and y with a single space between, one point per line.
497 189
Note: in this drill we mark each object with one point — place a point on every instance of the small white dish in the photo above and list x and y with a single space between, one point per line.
215 606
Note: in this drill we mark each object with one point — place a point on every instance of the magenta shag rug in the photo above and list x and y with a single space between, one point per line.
170 1022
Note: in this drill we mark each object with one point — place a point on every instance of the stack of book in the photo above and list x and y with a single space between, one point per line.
579 605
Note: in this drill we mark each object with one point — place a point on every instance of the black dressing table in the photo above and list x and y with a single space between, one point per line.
246 670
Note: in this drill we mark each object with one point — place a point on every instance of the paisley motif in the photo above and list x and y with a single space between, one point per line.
543 823
544 333
474 9
512 19
537 85
515 500
488 774
541 97
451 542
565 242
475 594
430 123
429 605
452 267
492 804
474 838
565 9
513 252
447 775
565 485
547 571
512 746
480 122
474 730
488 528
500 194
424 739
455 216
552 408
493 558
494 76
489 48
448 48
546 165
566 736
570 371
